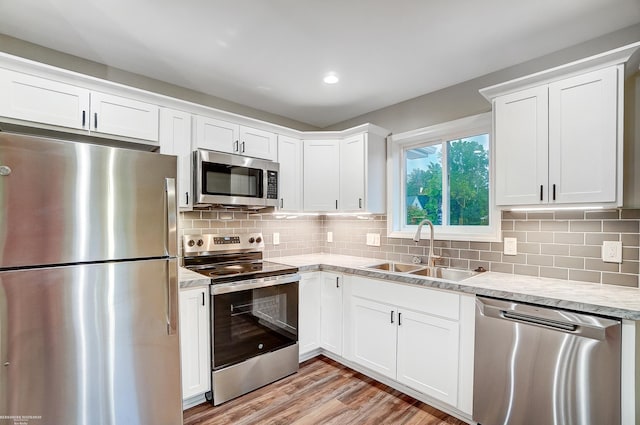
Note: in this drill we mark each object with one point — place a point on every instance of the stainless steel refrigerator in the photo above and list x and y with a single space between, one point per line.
88 285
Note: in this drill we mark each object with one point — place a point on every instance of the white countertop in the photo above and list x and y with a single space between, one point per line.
610 300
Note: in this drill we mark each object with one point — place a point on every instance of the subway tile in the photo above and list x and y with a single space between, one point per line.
520 236
630 267
501 267
191 215
629 280
481 246
527 226
490 256
460 244
518 259
585 226
602 215
630 239
628 226
554 273
630 214
540 260
585 276
554 226
497 246
540 216
450 253
554 249
526 270
569 215
200 224
400 249
470 255
598 264
598 238
568 238
629 253
458 263
540 237
585 251
475 264
529 248
568 262
506 225
514 215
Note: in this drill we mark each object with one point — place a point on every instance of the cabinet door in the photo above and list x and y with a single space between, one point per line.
331 313
258 143
29 98
428 355
309 312
217 135
583 117
175 139
352 173
321 175
290 183
521 144
373 335
194 341
123 117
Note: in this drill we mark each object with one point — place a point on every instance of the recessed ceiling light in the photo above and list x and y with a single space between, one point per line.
331 79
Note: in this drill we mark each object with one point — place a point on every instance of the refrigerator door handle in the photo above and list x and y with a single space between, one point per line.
171 230
172 297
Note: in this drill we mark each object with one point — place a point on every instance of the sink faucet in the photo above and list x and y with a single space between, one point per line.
416 238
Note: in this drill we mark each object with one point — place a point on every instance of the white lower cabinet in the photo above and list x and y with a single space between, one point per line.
194 341
309 313
419 337
331 312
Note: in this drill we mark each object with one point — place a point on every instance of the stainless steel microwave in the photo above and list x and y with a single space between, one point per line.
234 180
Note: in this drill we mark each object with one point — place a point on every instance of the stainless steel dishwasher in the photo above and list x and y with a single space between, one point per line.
536 365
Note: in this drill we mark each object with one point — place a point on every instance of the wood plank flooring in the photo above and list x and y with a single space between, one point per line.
322 392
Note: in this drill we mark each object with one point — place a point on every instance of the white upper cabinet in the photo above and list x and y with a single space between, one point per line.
258 143
321 175
559 134
290 176
216 135
583 137
224 136
39 100
521 123
175 139
345 175
120 116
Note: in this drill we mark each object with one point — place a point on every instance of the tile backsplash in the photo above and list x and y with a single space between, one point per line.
556 244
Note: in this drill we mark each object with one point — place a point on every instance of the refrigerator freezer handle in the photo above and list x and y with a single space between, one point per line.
171 230
172 297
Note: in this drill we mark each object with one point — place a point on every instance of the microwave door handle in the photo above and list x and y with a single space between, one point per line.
171 219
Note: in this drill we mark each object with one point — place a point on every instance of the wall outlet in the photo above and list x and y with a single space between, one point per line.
612 252
329 236
373 239
276 238
510 246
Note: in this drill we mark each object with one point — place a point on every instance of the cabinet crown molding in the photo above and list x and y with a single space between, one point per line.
618 56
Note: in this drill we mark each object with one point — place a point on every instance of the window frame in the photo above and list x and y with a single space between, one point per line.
396 185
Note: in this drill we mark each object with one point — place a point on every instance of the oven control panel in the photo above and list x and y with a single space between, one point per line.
201 244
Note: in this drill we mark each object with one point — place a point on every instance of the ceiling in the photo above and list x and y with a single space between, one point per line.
272 54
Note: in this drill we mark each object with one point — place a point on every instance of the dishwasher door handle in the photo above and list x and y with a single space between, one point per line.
533 320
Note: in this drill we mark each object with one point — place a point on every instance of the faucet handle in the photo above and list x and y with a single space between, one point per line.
436 259
416 260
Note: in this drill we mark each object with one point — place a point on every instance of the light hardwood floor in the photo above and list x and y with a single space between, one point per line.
322 392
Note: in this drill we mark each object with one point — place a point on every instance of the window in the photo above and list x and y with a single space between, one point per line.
443 173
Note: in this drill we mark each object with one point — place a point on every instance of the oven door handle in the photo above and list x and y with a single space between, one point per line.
246 285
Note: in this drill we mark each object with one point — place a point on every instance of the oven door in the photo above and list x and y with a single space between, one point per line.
252 318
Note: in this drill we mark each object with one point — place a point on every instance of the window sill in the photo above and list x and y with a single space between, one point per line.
443 236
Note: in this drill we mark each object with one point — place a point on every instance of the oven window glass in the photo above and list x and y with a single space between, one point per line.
253 322
229 180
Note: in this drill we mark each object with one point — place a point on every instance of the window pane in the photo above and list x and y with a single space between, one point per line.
424 184
468 165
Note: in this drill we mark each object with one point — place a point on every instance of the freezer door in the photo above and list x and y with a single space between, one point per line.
64 202
91 344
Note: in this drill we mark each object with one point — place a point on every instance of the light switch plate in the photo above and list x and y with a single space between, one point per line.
373 239
329 236
510 246
612 251
276 238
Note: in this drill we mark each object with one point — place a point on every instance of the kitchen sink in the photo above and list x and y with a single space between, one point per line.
445 273
396 267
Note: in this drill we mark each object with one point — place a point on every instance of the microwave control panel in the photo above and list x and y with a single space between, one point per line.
272 185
